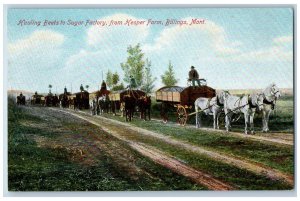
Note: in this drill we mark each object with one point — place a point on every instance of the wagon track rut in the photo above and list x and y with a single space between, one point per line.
113 126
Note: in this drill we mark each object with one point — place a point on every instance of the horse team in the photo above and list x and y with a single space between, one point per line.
127 106
247 105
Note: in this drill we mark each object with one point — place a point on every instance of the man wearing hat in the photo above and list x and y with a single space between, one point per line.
194 76
132 82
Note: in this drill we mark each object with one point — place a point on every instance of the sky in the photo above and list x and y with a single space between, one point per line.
235 48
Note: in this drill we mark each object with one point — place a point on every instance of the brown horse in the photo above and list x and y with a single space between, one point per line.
144 104
129 102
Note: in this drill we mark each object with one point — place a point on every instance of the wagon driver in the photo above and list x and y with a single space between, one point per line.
132 83
194 76
81 88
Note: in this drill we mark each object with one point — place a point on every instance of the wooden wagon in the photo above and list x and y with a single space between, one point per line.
98 93
37 99
182 98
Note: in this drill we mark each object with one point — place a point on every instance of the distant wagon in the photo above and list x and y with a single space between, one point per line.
182 98
37 99
79 100
21 99
64 99
51 100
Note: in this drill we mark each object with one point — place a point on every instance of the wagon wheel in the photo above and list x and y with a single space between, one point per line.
182 115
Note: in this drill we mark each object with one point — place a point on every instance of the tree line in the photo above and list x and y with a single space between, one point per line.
139 68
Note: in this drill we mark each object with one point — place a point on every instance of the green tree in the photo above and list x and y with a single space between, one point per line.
168 78
109 80
115 78
148 81
134 65
50 86
87 87
118 87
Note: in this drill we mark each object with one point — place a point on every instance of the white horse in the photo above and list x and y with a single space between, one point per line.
211 106
271 95
246 104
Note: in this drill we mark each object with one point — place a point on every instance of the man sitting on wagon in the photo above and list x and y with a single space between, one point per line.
194 76
65 91
81 88
132 83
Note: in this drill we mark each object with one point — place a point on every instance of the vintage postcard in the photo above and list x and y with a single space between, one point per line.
150 99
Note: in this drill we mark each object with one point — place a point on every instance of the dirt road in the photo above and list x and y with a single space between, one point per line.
127 132
87 145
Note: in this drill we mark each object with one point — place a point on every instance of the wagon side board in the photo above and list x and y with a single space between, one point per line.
187 96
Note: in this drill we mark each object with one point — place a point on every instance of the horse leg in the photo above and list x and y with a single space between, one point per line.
131 114
267 120
264 121
217 120
252 123
227 120
197 117
246 115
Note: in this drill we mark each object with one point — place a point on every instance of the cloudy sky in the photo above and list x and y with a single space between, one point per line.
235 48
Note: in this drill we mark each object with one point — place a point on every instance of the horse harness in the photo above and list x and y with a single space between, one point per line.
265 101
218 102
272 103
251 105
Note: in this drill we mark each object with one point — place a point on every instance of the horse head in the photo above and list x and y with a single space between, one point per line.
222 96
271 93
275 91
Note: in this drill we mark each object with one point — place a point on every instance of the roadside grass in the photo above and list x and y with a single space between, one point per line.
34 168
280 157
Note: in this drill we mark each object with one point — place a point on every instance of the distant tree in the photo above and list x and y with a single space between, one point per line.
50 86
109 80
87 87
134 65
118 87
168 78
115 79
148 80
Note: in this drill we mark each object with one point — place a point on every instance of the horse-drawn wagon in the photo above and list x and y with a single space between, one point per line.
51 100
128 98
99 101
37 99
21 99
182 98
79 100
